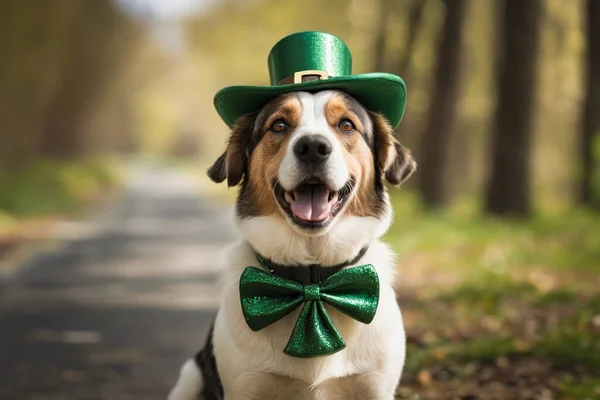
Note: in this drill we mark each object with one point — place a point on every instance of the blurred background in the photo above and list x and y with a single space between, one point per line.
107 127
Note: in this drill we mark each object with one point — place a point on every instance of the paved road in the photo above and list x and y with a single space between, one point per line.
116 307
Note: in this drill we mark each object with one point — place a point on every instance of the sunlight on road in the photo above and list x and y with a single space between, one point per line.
158 246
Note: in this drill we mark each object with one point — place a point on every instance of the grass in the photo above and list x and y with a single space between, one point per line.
498 308
569 242
51 187
587 389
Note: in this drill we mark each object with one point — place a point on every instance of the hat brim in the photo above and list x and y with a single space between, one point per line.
379 92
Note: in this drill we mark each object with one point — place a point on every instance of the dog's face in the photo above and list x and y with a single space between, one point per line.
312 160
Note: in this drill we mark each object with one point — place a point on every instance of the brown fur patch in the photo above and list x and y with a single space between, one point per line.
269 152
357 155
337 109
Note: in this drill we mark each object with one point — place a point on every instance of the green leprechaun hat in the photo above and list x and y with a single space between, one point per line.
311 62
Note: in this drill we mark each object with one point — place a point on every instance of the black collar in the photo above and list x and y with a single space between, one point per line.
305 274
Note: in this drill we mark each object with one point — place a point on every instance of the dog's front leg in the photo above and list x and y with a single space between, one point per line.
357 387
255 385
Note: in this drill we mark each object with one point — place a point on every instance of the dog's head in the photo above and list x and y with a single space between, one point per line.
313 160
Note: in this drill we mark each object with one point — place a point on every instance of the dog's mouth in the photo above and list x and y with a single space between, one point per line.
312 204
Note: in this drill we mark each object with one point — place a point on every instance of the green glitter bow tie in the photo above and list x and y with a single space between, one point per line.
266 298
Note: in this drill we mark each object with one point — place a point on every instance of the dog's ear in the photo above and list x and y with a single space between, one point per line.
218 171
402 165
233 163
393 160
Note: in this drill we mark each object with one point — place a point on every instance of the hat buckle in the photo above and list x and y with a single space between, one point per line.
308 75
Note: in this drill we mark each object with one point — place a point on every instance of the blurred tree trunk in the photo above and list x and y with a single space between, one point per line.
590 126
85 65
403 66
61 64
379 52
63 136
433 161
100 39
415 15
508 191
32 37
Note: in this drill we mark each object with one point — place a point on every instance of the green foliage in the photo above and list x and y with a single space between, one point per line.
570 346
485 349
7 220
588 389
487 293
477 244
570 349
49 187
565 347
596 176
485 297
555 297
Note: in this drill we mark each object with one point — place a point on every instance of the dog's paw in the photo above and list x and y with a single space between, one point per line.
189 384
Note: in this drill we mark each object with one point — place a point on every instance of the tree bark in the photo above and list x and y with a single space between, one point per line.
90 62
415 15
508 191
381 37
590 122
436 137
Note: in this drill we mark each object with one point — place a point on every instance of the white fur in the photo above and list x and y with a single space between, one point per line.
252 358
189 384
252 365
313 122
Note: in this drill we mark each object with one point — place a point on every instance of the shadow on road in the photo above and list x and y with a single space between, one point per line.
127 296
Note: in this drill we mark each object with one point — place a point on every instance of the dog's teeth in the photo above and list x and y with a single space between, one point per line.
289 197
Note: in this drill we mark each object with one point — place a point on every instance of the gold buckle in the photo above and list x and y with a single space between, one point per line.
312 75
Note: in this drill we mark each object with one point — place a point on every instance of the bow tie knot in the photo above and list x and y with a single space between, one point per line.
266 298
312 291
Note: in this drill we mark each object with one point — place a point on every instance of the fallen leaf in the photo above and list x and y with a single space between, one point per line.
424 378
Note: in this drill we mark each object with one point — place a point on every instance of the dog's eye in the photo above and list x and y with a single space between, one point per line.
279 126
346 125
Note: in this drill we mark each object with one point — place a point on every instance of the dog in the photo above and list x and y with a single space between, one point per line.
311 169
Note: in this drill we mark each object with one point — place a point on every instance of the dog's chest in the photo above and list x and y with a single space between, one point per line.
269 343
367 346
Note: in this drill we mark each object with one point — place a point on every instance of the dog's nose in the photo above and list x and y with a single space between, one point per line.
312 149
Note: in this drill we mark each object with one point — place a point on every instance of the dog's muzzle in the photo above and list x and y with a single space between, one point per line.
312 150
314 198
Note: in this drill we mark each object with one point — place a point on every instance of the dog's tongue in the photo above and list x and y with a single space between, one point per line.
311 203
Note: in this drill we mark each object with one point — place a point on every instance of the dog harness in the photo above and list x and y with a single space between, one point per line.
270 293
